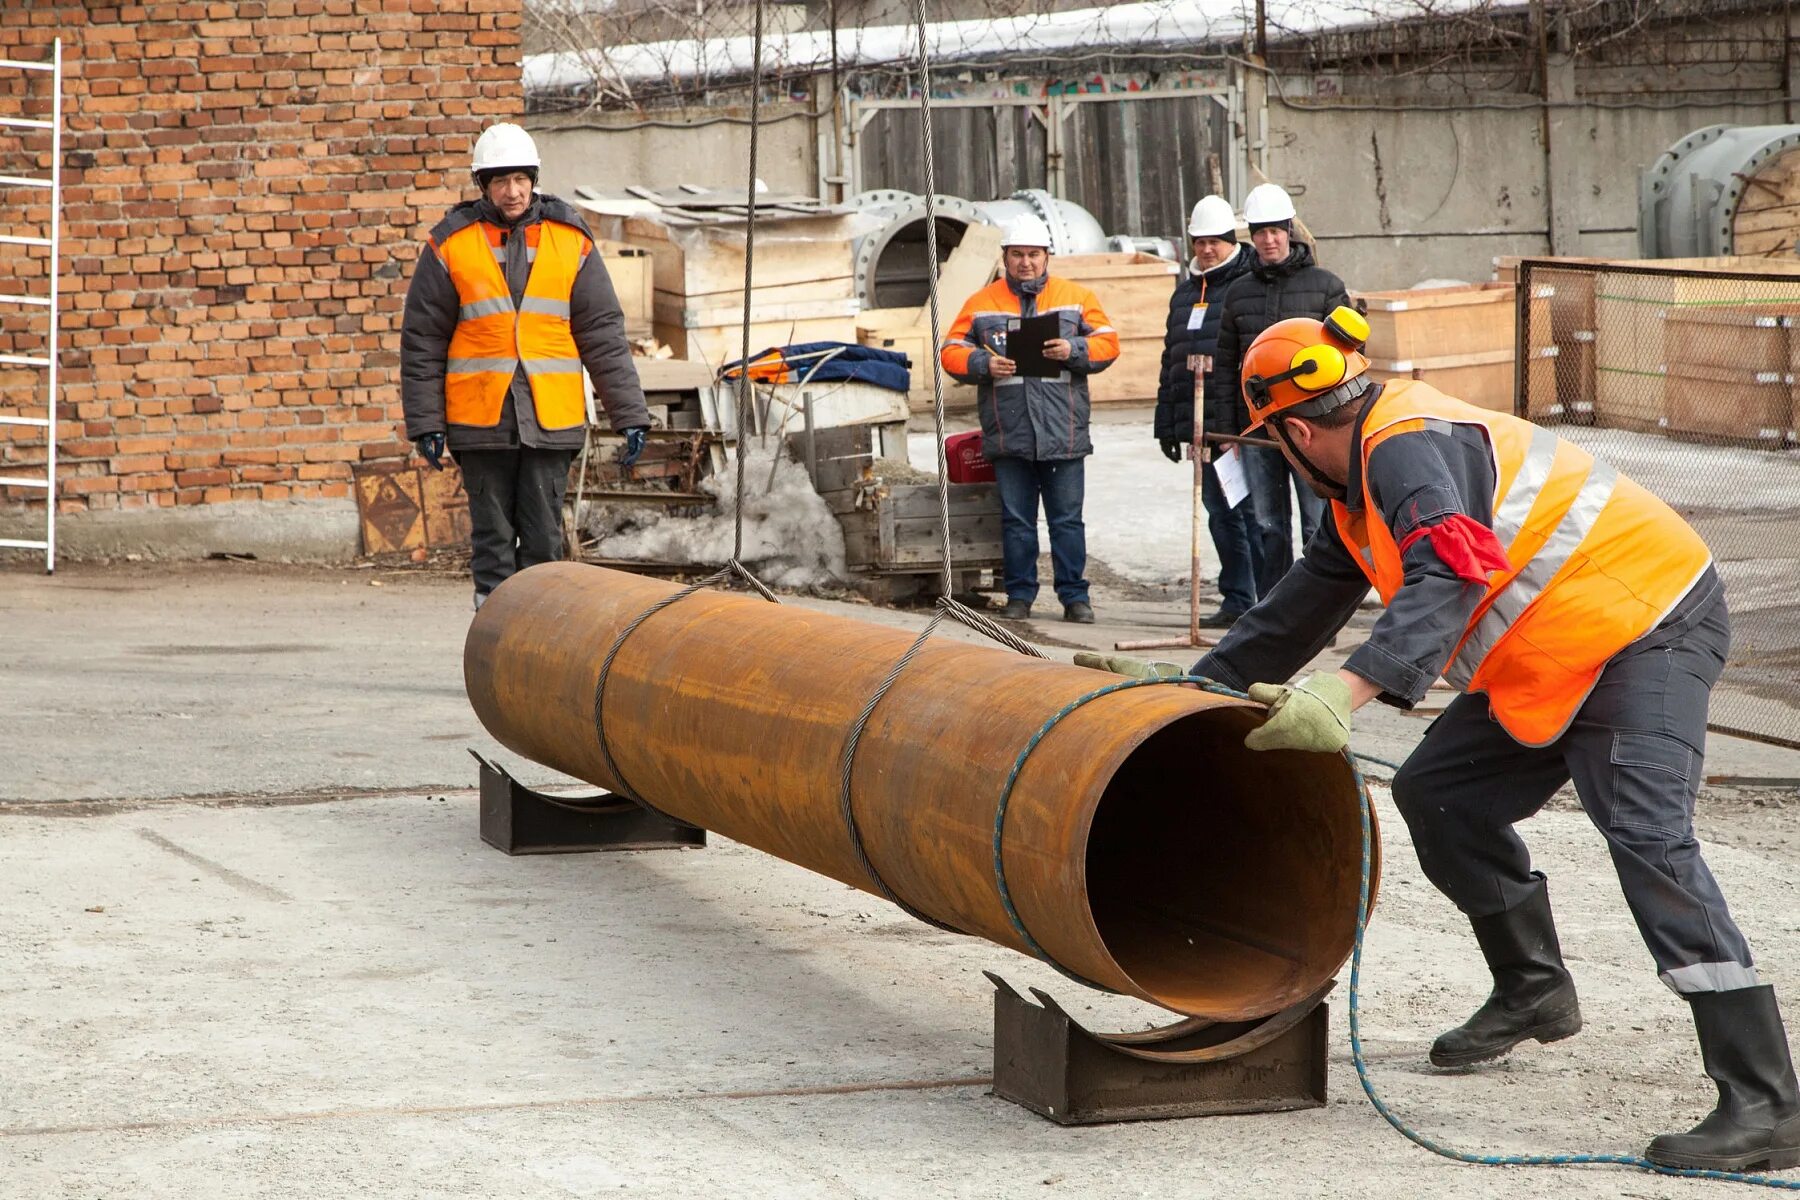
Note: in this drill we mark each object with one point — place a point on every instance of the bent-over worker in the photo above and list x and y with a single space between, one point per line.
1584 624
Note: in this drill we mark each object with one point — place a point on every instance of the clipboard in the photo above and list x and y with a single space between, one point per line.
1025 346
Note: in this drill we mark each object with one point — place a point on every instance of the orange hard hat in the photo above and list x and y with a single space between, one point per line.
1295 362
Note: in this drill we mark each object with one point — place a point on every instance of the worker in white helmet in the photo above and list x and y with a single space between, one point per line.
1034 429
508 303
1189 340
1283 281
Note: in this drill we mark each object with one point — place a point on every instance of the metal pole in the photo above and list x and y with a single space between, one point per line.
812 446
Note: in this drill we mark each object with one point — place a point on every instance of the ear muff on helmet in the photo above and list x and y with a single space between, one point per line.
1318 368
1349 325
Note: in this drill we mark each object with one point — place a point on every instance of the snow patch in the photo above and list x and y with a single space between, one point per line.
791 538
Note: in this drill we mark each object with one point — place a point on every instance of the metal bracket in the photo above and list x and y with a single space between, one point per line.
1046 1061
516 819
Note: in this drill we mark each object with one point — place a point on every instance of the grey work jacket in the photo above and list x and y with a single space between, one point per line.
595 320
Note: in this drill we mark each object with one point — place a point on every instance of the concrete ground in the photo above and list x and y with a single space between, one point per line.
253 947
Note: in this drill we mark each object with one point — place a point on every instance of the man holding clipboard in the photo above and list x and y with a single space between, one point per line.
1028 341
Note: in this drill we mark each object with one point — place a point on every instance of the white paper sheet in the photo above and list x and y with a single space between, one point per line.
1232 481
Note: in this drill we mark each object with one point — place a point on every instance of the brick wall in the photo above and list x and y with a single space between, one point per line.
245 189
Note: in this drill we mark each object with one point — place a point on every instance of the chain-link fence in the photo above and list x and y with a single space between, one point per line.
1686 377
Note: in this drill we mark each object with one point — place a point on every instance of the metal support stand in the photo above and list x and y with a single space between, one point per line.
1047 1062
517 820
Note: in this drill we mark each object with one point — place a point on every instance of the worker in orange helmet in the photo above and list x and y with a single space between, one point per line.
1584 624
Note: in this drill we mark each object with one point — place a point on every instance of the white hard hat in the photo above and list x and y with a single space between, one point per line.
1267 204
1025 230
505 145
1213 218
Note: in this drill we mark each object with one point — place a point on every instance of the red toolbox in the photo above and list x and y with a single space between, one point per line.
966 462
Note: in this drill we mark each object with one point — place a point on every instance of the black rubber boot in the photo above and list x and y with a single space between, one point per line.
1533 996
1757 1123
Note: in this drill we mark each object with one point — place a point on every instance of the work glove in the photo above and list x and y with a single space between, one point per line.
1120 664
1171 449
431 449
634 446
1313 714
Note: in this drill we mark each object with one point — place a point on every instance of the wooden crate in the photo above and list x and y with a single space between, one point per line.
898 526
893 527
1485 380
716 338
1134 292
1753 339
1631 317
630 270
1425 323
1733 405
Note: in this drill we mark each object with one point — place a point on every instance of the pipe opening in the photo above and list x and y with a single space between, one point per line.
1223 880
899 278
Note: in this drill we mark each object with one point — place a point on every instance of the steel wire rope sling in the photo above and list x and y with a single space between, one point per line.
735 566
947 605
1365 810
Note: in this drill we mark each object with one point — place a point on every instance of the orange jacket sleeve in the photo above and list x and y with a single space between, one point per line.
1102 338
958 353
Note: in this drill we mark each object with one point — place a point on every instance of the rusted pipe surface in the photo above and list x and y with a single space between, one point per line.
1145 848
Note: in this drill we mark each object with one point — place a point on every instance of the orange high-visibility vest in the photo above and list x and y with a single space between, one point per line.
1596 562
493 337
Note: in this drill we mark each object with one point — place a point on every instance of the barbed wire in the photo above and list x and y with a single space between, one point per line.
636 55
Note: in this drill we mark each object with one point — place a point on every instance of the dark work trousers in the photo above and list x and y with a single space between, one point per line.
515 510
1273 486
1635 751
1060 482
1231 530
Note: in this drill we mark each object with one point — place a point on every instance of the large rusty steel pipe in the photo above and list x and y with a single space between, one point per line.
1145 848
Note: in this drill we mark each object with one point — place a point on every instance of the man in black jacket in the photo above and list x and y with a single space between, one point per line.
1282 282
508 303
1188 342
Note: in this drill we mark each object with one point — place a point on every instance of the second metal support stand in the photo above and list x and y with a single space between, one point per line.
1048 1062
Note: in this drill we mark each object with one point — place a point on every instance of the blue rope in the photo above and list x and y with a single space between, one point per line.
1366 810
1486 1160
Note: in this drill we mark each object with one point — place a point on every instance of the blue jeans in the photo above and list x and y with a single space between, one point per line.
1060 483
1271 519
1231 530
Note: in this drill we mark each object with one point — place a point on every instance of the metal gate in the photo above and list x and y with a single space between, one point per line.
1688 381
1136 160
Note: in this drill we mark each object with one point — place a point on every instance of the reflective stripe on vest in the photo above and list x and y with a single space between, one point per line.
494 338
1597 562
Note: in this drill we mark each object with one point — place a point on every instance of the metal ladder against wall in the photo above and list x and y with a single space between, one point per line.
47 361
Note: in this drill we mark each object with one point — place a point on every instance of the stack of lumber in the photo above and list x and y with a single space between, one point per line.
1460 340
804 288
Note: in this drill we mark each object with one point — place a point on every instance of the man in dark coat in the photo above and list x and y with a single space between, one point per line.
508 303
1282 282
1188 342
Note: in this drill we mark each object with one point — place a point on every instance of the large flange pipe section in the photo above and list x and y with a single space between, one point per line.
889 260
1144 848
890 269
1688 199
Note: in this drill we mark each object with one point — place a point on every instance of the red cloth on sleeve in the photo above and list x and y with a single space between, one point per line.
1464 545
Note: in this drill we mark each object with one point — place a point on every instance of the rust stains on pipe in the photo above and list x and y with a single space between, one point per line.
1145 848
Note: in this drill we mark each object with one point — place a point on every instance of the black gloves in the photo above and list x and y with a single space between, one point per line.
1171 449
431 449
634 445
